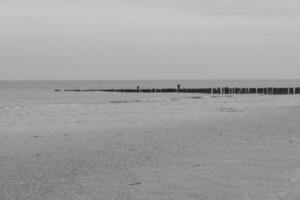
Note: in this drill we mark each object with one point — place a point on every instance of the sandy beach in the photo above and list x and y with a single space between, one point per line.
188 147
150 100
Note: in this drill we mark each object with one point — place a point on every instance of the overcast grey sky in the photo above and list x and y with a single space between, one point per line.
149 39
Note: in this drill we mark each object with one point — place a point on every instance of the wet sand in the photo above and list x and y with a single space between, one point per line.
227 148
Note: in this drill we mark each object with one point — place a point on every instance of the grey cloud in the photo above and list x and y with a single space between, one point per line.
149 39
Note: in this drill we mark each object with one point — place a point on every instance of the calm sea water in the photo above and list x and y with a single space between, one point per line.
19 93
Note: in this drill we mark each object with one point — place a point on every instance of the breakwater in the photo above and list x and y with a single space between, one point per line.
217 90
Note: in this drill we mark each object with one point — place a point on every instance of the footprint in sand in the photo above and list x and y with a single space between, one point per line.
292 190
130 179
295 174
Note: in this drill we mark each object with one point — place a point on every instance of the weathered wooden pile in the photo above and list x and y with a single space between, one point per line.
218 90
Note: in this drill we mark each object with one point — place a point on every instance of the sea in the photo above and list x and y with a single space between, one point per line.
30 93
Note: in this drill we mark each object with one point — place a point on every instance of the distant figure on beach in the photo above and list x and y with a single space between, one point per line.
178 88
138 89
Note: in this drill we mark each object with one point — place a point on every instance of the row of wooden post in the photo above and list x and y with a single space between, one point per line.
269 90
218 90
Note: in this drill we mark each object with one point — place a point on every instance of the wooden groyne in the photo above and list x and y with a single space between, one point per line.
218 90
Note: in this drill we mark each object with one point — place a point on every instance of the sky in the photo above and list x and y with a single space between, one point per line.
143 39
